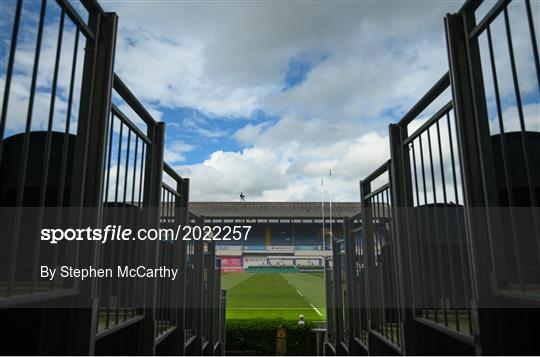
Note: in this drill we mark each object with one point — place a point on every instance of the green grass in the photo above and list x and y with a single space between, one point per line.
274 296
230 280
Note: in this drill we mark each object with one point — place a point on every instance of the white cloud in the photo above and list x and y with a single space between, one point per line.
197 123
175 152
287 171
172 73
225 174
229 60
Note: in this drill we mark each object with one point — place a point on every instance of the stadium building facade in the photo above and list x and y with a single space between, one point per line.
284 236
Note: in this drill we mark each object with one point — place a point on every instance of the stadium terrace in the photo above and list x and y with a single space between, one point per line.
285 236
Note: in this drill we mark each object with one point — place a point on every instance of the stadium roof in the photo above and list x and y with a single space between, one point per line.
273 210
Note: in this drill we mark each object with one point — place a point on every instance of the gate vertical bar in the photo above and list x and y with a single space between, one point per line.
365 189
352 305
473 140
152 194
210 276
89 163
329 346
198 296
337 297
405 236
181 218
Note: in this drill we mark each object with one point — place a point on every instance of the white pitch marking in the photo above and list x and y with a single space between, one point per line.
298 291
266 308
287 280
316 310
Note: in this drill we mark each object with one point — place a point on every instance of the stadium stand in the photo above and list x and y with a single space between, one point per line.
283 234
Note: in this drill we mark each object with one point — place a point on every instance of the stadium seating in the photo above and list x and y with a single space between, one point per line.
283 238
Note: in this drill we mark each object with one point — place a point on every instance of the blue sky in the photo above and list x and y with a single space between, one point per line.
266 97
209 133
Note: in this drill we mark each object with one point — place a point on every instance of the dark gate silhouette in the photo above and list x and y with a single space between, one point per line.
95 158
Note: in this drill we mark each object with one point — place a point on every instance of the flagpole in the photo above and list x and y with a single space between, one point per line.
322 207
323 232
330 202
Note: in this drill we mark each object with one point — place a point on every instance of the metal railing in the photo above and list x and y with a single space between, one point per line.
92 158
381 270
331 308
508 53
358 281
447 252
125 197
37 145
439 262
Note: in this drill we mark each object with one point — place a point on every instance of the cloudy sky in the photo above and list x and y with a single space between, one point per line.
267 97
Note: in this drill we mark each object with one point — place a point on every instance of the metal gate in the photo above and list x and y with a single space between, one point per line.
450 241
84 152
